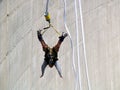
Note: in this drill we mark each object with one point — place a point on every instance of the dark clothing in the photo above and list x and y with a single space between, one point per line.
51 54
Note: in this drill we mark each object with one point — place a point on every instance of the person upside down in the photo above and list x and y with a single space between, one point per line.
51 54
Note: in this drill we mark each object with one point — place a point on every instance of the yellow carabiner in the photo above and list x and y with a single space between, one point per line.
47 16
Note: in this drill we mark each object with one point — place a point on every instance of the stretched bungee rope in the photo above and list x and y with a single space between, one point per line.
78 47
73 52
84 45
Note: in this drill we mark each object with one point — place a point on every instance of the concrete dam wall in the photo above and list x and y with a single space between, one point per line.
21 54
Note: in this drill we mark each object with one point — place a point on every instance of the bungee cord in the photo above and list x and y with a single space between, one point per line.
78 49
47 17
66 27
84 45
47 6
73 53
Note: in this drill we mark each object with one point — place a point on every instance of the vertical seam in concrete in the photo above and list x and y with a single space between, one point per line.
8 87
32 38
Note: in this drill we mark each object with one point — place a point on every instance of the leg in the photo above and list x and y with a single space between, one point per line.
43 68
57 46
58 68
44 45
61 38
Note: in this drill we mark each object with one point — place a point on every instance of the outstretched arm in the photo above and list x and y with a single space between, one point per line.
58 68
61 38
44 45
43 68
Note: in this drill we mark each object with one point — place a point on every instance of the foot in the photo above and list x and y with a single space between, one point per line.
63 36
39 34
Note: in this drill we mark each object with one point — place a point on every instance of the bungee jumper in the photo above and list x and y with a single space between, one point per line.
51 54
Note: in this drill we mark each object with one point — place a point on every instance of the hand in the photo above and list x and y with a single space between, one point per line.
61 76
41 76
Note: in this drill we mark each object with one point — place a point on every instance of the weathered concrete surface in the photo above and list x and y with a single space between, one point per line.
21 54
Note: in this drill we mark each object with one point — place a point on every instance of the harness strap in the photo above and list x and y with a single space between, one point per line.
50 25
55 29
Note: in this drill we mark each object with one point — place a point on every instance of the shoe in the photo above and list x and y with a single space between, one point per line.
40 31
39 34
63 36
